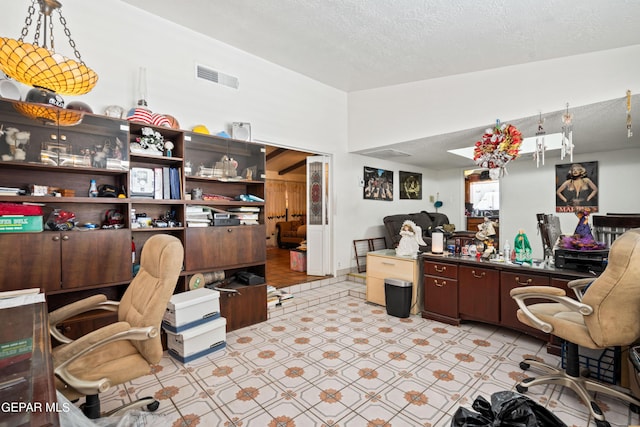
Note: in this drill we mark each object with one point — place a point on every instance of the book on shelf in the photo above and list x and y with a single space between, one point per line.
166 183
158 183
10 191
197 224
244 209
245 215
175 183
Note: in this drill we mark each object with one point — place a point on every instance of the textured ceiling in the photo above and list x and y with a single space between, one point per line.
363 44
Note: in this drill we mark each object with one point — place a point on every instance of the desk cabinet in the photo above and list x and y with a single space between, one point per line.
463 288
386 264
508 306
479 297
441 292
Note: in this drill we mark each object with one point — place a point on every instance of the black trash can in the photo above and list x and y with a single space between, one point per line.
397 297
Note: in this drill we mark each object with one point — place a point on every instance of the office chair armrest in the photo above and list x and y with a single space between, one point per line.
578 285
551 293
94 340
94 302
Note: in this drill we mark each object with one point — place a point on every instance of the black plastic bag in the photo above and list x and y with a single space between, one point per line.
507 409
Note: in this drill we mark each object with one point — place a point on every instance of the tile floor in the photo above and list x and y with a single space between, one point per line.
331 359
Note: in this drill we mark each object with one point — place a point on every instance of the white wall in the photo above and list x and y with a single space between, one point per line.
528 190
415 110
431 107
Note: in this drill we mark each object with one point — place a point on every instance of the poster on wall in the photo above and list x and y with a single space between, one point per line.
378 184
577 187
410 185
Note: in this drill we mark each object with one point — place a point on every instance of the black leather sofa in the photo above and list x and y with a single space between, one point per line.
428 221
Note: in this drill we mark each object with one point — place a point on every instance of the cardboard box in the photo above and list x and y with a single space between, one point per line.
190 309
198 341
298 260
20 223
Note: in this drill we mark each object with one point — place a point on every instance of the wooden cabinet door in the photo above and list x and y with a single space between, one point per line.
245 308
95 257
508 306
441 296
479 294
225 247
30 260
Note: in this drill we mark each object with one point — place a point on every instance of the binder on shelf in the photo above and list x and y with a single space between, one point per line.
166 190
174 183
158 180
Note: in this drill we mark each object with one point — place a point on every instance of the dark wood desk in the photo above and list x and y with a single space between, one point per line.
456 289
27 384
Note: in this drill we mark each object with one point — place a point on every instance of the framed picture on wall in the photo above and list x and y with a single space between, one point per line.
410 185
577 187
378 184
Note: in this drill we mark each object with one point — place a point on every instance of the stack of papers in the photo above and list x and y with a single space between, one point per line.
20 297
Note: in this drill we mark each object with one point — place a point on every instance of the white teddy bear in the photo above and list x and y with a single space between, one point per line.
17 142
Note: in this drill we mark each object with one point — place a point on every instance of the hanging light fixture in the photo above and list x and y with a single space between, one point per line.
538 154
38 64
567 135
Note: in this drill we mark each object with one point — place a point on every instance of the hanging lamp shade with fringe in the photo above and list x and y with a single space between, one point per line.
37 64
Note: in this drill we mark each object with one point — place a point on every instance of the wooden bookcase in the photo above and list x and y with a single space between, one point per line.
66 149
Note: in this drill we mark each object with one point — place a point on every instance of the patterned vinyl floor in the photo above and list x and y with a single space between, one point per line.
328 358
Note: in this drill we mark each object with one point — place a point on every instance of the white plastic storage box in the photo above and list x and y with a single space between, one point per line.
199 341
188 309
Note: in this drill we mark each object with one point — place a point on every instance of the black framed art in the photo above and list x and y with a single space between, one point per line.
378 184
577 187
410 185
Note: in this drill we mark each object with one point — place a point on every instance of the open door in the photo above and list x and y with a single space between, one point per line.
318 216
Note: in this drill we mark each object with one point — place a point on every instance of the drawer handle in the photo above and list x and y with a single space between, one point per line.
229 230
388 263
482 274
442 270
438 284
528 282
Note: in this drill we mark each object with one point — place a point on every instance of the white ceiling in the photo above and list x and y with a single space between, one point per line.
361 44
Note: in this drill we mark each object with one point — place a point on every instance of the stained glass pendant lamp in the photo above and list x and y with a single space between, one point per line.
38 64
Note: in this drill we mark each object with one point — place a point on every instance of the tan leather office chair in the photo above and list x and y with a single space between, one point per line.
606 315
124 350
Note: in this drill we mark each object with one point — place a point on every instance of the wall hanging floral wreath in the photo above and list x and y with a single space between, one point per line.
497 147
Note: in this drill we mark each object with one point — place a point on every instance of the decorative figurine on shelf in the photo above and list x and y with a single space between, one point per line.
522 248
150 142
411 239
486 230
169 146
582 238
489 249
15 144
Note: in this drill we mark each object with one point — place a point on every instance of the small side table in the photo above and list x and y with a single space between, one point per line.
298 260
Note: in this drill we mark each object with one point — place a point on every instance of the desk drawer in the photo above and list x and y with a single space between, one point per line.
383 268
441 269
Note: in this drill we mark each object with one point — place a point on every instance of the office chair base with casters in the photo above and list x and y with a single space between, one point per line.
91 407
580 384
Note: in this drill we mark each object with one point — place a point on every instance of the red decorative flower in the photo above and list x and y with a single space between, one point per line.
498 146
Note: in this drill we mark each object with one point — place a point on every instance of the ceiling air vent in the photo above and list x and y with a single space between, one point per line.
386 153
214 76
